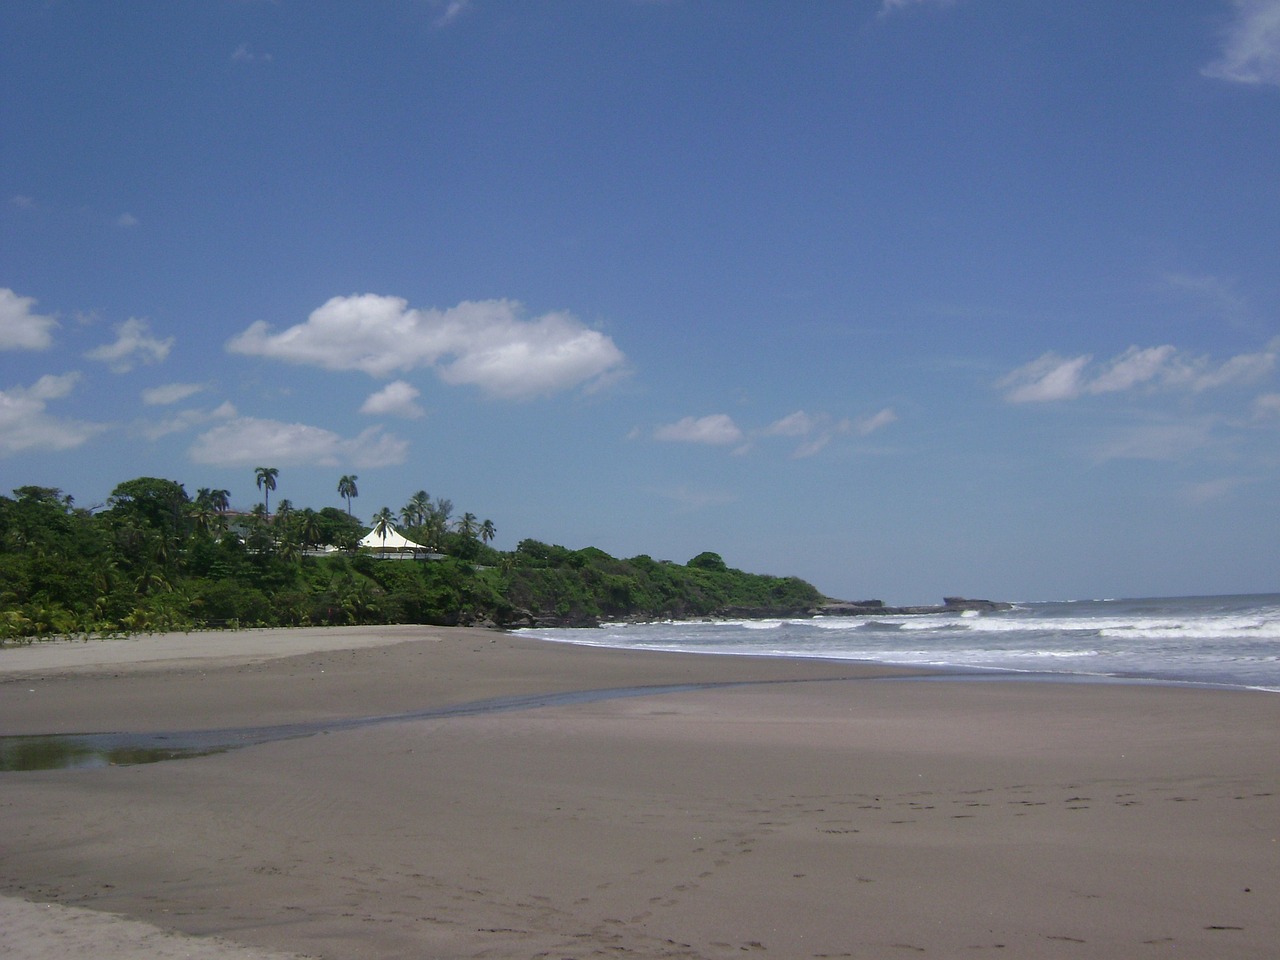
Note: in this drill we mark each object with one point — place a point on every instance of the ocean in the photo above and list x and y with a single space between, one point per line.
1230 641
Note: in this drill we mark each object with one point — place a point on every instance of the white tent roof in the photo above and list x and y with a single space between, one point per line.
394 540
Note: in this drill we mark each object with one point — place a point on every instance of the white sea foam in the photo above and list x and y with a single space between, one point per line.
1221 640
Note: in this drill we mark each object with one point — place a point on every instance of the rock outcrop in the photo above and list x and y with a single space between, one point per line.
873 608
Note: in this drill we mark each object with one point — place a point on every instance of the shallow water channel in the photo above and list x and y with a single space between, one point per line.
86 750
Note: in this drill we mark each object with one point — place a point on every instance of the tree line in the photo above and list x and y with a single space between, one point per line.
154 558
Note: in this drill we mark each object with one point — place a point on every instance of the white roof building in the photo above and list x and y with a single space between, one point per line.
392 543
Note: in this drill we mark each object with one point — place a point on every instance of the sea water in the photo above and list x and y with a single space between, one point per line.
1230 640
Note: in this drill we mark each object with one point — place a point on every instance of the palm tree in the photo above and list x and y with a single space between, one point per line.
201 511
288 549
347 489
421 504
220 500
488 531
203 517
309 527
408 516
266 477
468 526
383 523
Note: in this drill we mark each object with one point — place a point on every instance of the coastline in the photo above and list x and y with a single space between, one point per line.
809 813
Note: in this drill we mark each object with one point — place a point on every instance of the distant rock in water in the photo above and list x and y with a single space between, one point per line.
865 608
982 606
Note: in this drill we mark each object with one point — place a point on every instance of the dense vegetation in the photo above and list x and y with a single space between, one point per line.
154 558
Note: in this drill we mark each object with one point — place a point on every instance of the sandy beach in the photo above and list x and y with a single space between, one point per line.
810 809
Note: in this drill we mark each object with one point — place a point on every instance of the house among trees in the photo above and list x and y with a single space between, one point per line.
388 543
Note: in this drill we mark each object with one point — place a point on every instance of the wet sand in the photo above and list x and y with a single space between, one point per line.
819 810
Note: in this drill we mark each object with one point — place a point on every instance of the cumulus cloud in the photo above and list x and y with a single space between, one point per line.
796 424
876 421
396 399
1251 45
1157 441
690 499
170 393
1219 294
1052 377
21 328
1131 368
26 425
133 345
817 429
244 54
487 344
453 9
245 441
185 420
1210 490
888 7
1266 406
715 429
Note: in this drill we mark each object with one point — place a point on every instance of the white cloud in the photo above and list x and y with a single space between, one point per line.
1211 490
245 441
1266 406
396 399
888 7
877 421
811 447
796 424
134 344
1052 377
820 429
453 9
1157 441
716 429
1131 368
243 54
53 386
185 420
1244 368
690 499
1251 45
25 424
126 220
816 430
1217 293
23 202
170 393
481 343
20 327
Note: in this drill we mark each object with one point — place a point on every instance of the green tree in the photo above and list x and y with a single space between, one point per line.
266 477
420 505
468 526
709 561
383 523
488 531
347 489
203 516
309 529
160 505
220 500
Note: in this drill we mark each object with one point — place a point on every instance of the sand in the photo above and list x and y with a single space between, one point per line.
816 810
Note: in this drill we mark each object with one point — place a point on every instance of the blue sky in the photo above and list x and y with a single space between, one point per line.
906 297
